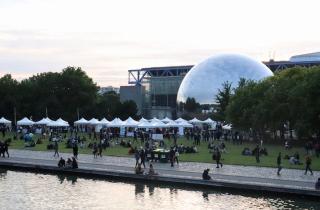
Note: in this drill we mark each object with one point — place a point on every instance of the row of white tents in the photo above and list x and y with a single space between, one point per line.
118 123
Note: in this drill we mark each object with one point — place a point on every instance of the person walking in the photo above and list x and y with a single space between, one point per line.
171 156
95 150
136 156
308 164
56 149
279 164
6 148
257 153
143 157
75 150
218 158
176 156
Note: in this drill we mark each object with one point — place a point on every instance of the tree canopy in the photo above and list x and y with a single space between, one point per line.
288 100
61 95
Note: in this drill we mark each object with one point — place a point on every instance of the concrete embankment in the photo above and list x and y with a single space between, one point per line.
166 178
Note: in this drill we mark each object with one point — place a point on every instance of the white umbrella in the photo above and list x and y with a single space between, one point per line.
116 123
130 123
166 120
44 121
82 121
185 124
179 120
145 124
4 121
195 120
104 121
93 121
25 121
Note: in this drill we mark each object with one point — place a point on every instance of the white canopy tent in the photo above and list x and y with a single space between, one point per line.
82 121
58 123
158 124
143 120
185 125
172 124
179 120
130 123
44 121
209 121
104 121
25 122
116 123
145 124
93 121
227 127
153 120
5 121
195 121
166 120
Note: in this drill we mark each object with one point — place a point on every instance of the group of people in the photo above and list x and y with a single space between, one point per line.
70 163
139 170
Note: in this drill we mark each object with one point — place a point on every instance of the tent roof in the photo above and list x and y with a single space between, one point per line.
166 120
4 121
44 121
195 120
209 121
130 122
185 124
25 121
82 121
104 121
180 120
145 124
93 121
172 124
116 123
58 123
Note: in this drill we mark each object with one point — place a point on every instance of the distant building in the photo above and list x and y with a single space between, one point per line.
103 90
155 89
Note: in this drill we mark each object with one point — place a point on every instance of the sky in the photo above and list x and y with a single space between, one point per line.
107 38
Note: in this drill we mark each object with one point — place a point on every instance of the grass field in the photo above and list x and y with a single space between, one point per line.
233 155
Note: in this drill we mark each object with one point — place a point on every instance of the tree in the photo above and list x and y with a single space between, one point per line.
191 105
222 99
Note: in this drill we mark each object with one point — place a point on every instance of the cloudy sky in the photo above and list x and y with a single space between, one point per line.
106 38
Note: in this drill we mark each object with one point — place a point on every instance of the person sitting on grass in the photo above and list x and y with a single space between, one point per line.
152 171
61 163
317 186
138 169
205 174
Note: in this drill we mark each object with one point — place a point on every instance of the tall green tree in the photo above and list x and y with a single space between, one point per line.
222 99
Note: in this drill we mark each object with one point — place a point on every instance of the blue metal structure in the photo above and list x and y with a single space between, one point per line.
139 76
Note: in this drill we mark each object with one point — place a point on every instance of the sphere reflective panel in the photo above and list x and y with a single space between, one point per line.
204 80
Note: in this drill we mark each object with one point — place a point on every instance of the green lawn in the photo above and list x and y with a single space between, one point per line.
233 155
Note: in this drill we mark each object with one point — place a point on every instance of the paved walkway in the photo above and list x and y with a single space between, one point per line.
290 178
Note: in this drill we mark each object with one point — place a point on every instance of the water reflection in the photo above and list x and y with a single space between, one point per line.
205 196
21 190
3 173
62 177
139 189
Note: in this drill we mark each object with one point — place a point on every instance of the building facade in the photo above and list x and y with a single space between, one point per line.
155 89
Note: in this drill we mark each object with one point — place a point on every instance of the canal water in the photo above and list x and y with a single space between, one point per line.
21 190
